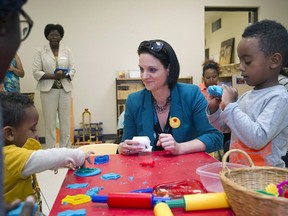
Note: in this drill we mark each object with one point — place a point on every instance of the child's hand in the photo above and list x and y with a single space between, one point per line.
87 156
213 103
230 95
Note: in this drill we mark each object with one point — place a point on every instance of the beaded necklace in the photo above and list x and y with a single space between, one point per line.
161 109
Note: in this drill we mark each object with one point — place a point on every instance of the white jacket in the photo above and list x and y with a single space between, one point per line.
45 62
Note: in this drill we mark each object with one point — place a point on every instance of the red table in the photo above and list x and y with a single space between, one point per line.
134 176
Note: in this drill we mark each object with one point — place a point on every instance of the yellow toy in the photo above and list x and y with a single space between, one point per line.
162 209
192 202
272 189
76 199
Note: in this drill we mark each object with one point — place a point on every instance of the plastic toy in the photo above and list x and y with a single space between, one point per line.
144 190
17 211
272 189
162 209
129 200
76 199
89 131
176 189
85 172
64 70
265 192
206 201
79 212
110 176
101 159
283 189
215 91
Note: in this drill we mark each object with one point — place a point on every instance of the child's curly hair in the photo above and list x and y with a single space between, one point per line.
210 64
13 106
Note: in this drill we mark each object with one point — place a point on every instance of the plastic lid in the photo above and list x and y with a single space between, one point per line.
213 169
99 199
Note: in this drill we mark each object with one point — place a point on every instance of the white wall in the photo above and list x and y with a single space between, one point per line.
228 30
104 36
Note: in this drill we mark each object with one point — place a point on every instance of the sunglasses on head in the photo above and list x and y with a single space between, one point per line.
155 46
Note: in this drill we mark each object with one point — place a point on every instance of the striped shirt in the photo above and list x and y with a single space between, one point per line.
283 80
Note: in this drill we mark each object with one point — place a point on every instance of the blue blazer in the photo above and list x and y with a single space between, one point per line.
187 104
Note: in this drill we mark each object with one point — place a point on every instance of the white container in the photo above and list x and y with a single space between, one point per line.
134 73
209 175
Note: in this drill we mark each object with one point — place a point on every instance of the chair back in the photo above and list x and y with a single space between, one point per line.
100 149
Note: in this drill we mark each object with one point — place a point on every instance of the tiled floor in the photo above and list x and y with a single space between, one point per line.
50 184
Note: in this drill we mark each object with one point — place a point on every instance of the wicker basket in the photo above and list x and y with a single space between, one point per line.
240 186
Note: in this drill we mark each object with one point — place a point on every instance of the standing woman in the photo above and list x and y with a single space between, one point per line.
53 68
13 75
171 114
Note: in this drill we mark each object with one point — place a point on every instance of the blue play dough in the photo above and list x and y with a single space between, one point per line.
101 159
110 176
93 191
215 91
74 186
17 211
79 212
85 172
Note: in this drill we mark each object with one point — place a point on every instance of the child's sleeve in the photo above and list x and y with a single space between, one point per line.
257 129
51 159
216 121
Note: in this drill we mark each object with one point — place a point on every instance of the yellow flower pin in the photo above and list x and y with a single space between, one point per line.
174 122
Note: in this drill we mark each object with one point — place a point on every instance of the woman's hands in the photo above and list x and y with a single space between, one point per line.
129 147
59 74
168 142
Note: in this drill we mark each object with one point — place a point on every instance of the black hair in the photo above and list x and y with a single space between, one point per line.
210 64
51 27
10 6
273 38
166 55
13 106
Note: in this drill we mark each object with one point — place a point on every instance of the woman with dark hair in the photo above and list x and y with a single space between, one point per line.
210 75
53 68
171 114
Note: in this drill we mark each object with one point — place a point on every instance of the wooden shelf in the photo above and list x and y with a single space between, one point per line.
126 86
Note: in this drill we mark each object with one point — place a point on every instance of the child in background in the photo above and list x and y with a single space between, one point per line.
23 157
258 120
210 75
13 75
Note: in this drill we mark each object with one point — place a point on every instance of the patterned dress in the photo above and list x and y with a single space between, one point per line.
11 80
